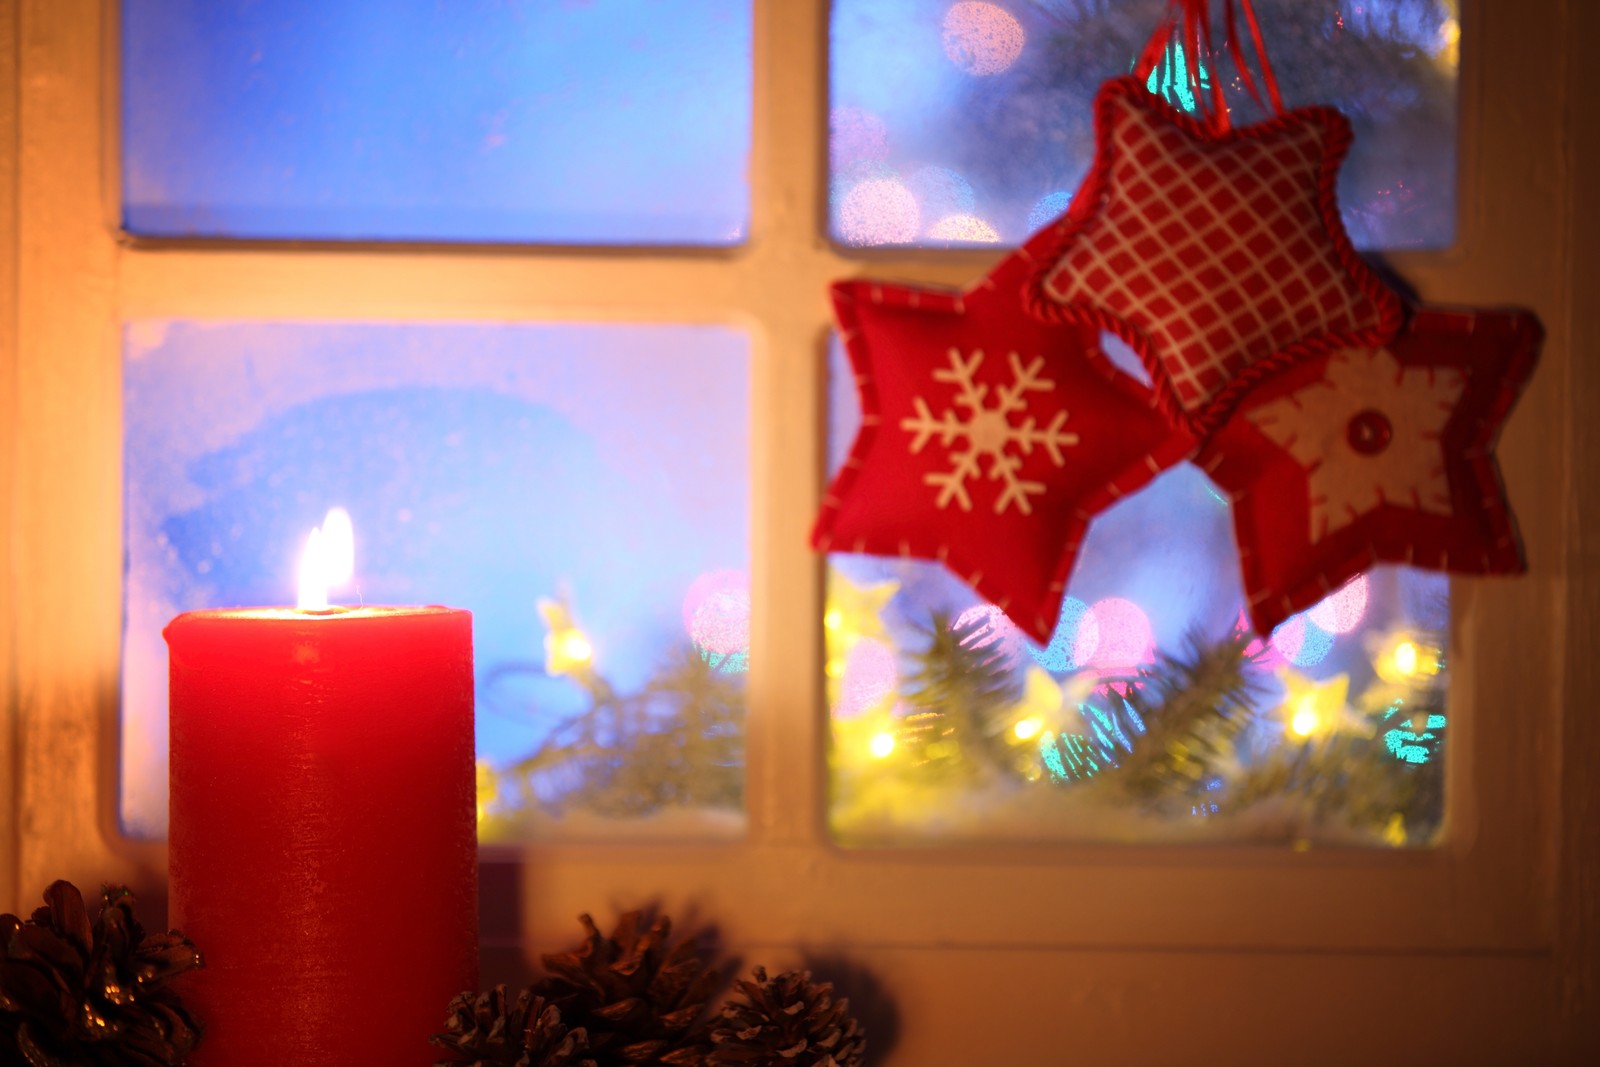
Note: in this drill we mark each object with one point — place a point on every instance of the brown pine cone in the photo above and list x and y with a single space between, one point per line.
489 1031
92 995
637 996
789 1020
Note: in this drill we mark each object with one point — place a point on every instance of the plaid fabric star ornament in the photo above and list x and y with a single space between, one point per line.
988 438
1369 455
1217 253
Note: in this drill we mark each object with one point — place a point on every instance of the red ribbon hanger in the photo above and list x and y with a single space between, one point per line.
1189 22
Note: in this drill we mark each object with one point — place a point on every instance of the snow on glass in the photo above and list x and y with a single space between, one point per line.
582 489
948 724
971 123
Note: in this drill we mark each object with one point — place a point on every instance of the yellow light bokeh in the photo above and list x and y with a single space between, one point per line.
1306 721
1027 728
1311 708
576 648
881 745
1405 658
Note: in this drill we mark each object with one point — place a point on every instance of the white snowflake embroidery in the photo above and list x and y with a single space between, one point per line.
1367 435
988 432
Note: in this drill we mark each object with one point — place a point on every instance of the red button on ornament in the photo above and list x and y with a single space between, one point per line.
1369 432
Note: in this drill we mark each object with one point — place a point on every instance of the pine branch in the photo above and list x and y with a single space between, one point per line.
1193 707
957 691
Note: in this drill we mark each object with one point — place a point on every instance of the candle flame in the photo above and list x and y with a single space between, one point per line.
314 574
327 560
339 546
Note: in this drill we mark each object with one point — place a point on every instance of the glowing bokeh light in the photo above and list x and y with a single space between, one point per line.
1048 207
856 136
881 745
1076 636
1405 658
869 677
941 191
968 229
982 38
575 648
1026 728
1343 610
1306 721
1302 642
716 612
880 211
987 627
1125 638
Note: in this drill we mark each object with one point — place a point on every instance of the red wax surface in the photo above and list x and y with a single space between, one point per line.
324 830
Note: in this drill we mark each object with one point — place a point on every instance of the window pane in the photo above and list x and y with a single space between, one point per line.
948 724
582 489
614 121
972 122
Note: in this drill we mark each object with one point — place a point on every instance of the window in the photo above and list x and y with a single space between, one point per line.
970 124
1140 941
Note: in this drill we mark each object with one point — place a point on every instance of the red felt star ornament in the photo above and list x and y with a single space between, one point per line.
988 438
1217 254
1369 455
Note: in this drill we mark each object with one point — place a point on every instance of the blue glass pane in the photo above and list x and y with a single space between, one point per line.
949 724
583 490
971 123
612 121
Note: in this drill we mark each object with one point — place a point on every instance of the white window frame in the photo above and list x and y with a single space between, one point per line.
1506 884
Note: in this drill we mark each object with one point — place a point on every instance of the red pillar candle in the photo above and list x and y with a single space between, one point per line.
323 840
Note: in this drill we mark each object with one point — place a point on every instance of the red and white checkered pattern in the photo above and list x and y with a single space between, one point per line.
1218 250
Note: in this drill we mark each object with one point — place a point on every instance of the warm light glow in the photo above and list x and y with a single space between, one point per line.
833 619
881 745
1311 708
339 546
575 648
1405 658
1026 728
1306 720
968 228
313 574
566 648
880 211
982 38
329 559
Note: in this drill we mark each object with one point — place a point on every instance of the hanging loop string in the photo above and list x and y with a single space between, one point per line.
1188 22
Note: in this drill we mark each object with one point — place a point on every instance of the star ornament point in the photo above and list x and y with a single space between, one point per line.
1216 256
1376 455
988 438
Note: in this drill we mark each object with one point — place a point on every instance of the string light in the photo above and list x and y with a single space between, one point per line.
881 745
567 650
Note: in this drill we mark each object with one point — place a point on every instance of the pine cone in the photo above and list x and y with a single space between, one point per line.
76 994
638 999
789 1020
486 1031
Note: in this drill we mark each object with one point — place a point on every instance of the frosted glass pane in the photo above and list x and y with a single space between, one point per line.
612 121
948 724
972 122
583 490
